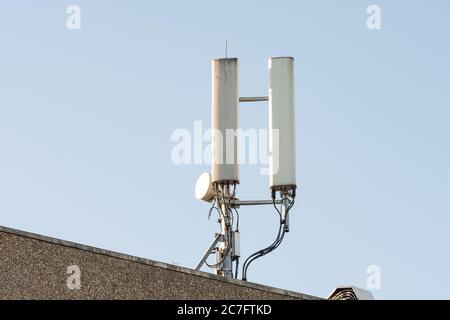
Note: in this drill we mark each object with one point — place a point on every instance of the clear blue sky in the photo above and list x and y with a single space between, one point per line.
86 118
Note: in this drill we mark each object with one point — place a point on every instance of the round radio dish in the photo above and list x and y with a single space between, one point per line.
203 188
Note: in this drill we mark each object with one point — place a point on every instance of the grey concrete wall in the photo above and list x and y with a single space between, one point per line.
35 267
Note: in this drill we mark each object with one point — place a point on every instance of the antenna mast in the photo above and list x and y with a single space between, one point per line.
220 187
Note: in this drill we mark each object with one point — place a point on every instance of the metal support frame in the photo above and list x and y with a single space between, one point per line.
236 203
253 99
208 252
225 253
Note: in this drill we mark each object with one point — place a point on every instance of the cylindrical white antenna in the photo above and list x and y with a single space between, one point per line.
225 120
281 123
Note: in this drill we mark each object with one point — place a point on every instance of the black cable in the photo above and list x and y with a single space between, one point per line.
237 223
212 207
221 261
278 240
263 252
266 250
231 215
230 197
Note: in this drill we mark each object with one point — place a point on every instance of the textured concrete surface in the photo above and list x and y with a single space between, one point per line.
35 267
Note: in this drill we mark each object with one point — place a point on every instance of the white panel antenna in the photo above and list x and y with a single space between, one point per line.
225 120
281 123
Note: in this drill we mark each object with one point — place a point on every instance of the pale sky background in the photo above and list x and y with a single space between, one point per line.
86 118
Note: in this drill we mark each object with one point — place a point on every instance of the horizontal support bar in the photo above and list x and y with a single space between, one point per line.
253 99
238 203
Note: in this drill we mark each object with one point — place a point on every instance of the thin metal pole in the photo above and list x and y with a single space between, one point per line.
223 255
253 99
285 213
238 203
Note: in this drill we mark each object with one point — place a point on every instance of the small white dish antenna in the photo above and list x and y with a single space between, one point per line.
203 188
